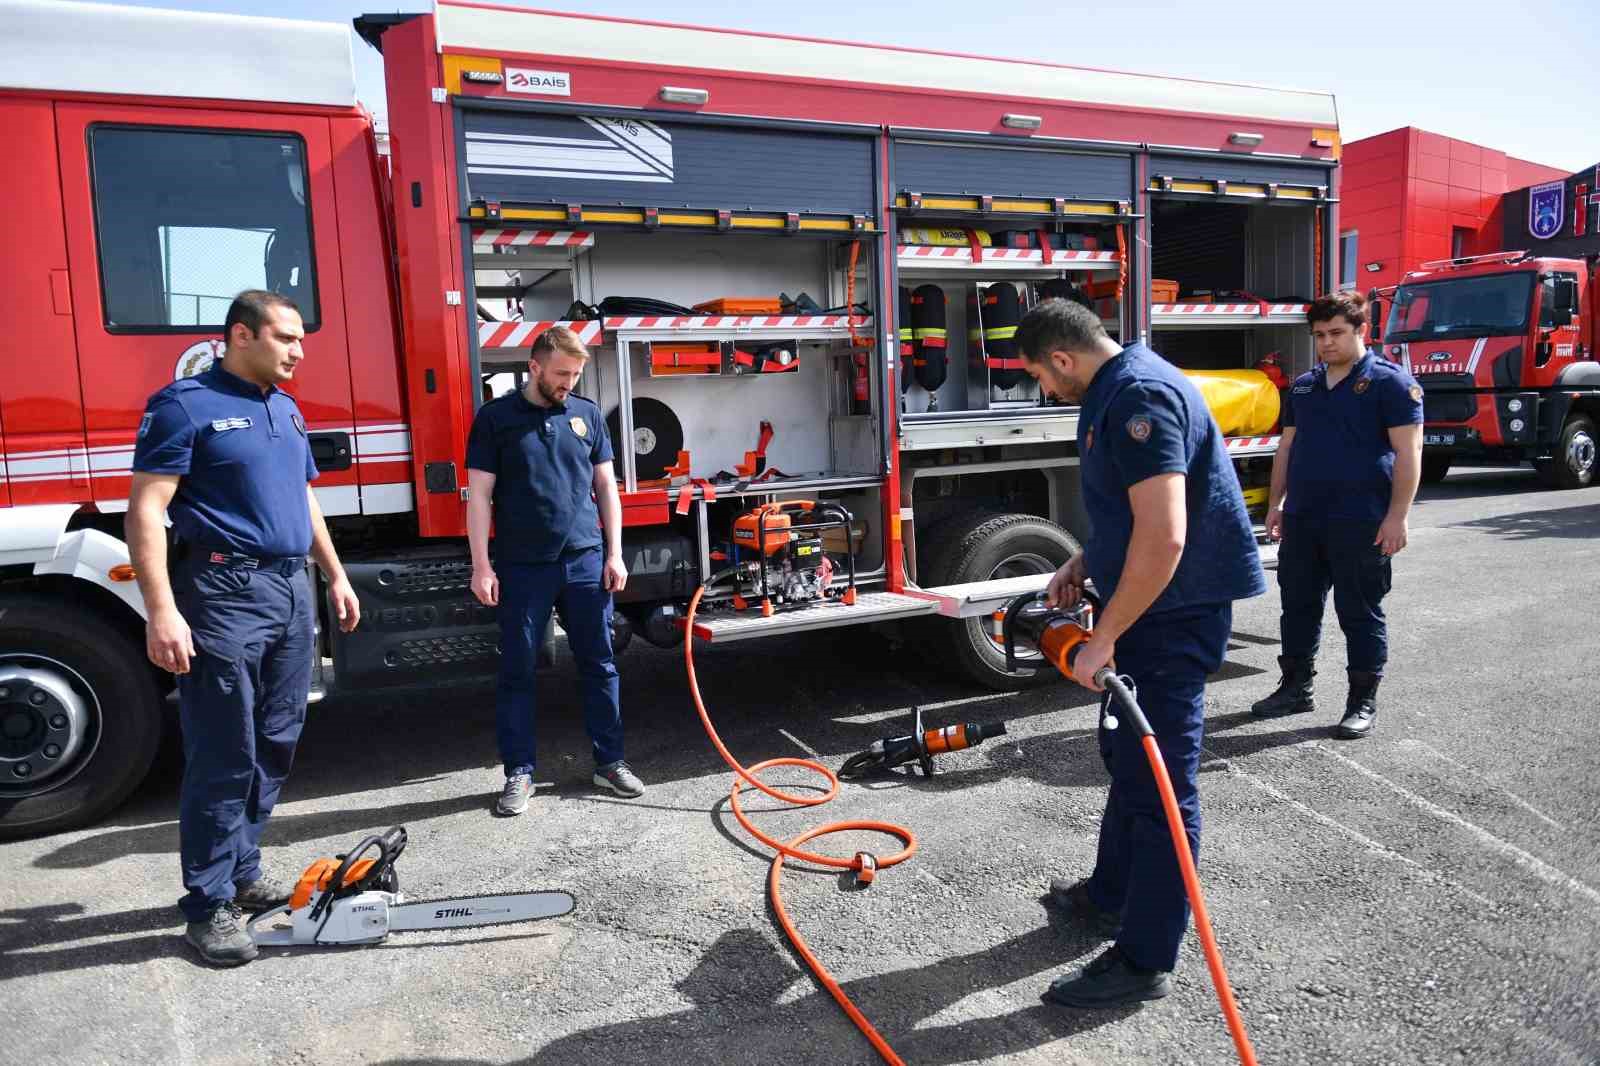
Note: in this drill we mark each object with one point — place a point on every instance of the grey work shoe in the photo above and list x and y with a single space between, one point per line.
514 797
222 939
1111 980
1072 897
619 779
262 894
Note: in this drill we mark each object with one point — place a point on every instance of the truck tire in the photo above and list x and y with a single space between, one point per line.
979 547
1434 468
80 716
1573 466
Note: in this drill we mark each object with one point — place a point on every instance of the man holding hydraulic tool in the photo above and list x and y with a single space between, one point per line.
1170 551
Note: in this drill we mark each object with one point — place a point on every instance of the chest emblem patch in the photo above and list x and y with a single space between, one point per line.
222 425
1362 385
1416 393
1139 428
1088 439
579 426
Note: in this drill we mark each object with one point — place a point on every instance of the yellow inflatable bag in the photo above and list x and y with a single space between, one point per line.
1244 402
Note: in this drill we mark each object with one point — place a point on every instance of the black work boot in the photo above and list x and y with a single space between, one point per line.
1112 980
1073 899
221 938
1360 707
1293 694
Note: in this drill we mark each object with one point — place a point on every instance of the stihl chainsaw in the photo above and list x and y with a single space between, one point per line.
349 899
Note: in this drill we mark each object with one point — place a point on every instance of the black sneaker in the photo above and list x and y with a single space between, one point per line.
1109 981
1072 897
222 939
262 894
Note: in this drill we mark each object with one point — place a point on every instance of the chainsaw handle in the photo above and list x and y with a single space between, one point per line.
389 846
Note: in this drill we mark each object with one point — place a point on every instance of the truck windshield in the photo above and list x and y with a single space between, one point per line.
1487 306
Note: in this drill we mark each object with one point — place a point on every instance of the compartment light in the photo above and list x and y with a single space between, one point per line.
1374 267
1248 139
677 94
1021 122
486 77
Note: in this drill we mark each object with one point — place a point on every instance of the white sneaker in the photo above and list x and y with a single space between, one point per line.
514 797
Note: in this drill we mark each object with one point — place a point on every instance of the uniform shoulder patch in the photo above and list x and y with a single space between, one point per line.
1416 393
1088 438
299 423
1139 428
144 424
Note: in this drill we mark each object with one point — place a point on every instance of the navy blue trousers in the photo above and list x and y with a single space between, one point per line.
1321 553
574 586
242 705
1169 656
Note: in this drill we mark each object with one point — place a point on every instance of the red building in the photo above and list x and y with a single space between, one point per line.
1408 196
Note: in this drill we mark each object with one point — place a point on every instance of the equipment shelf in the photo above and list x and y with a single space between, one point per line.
519 334
1225 316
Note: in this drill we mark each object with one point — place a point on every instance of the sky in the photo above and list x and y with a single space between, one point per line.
1519 76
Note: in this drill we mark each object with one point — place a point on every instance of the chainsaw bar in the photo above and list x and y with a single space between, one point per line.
475 912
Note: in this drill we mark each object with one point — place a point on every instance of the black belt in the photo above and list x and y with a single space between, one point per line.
199 555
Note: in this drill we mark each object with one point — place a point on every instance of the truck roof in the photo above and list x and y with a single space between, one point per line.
141 51
1491 263
495 30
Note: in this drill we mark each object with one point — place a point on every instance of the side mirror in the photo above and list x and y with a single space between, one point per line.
1375 320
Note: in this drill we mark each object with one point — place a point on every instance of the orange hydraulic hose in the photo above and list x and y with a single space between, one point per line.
1202 922
745 776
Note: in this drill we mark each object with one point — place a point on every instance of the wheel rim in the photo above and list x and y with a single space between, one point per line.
1017 565
1580 454
49 724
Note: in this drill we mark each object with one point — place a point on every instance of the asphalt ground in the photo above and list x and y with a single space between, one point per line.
1429 895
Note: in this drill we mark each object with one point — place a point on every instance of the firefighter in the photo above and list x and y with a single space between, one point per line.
538 462
1343 480
1171 549
225 454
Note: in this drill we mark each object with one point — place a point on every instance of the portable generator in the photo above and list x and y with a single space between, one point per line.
779 558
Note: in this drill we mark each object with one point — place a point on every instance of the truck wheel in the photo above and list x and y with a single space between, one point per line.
981 547
80 717
1573 465
1434 468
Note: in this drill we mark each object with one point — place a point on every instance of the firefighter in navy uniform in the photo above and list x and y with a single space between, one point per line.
225 454
1343 480
540 471
1171 549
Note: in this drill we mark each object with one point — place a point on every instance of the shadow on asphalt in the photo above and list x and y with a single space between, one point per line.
1582 523
1474 482
736 986
35 927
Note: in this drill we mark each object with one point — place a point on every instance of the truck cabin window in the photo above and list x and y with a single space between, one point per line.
186 219
1495 305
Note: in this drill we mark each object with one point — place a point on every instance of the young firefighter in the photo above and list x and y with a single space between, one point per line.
1342 485
1171 550
538 462
226 456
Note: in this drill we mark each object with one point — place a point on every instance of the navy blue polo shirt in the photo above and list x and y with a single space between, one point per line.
1140 418
1341 464
543 460
243 458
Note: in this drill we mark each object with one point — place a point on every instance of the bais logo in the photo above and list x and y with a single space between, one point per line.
538 82
1546 208
197 359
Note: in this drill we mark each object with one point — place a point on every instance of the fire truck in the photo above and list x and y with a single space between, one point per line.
736 224
1504 348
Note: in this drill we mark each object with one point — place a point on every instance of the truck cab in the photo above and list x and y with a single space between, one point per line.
1503 346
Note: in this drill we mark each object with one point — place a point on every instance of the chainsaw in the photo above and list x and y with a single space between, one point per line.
350 899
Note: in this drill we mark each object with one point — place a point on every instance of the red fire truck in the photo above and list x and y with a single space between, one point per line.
1504 347
729 219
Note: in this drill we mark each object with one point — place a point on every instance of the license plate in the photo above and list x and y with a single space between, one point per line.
1439 438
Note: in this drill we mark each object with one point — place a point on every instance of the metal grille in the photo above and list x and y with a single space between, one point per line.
427 578
443 651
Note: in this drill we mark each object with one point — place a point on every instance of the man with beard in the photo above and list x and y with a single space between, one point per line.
1170 551
538 463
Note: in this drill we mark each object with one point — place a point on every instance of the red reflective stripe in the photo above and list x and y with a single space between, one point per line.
996 363
933 342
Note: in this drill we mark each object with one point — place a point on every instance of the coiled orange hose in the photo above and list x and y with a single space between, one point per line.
792 849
